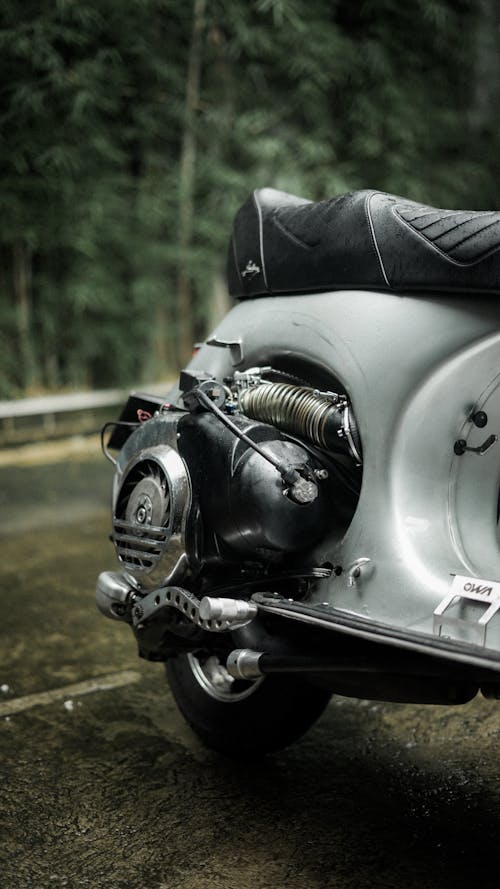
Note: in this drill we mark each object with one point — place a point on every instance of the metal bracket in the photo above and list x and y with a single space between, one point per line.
235 347
361 569
460 446
464 589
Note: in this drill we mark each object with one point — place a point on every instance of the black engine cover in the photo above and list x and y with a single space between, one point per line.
241 496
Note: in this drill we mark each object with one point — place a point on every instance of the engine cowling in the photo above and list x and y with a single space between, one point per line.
241 497
208 485
213 500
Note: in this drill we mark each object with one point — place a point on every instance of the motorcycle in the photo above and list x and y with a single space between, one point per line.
314 507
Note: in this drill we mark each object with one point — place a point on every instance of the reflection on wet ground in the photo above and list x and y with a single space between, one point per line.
111 789
36 497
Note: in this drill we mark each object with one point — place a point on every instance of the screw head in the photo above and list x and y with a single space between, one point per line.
140 515
480 419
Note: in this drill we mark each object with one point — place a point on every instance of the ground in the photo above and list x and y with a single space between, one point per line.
109 788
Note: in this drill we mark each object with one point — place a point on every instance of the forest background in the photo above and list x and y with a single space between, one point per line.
132 130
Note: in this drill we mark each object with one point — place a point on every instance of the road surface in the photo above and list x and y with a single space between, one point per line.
103 785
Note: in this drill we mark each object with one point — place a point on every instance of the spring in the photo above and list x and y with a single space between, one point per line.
303 412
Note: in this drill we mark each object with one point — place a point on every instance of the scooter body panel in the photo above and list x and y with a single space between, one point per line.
416 370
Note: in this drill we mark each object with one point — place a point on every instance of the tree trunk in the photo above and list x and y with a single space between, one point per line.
187 173
22 274
486 94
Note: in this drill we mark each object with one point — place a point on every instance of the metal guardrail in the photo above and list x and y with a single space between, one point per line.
57 404
29 419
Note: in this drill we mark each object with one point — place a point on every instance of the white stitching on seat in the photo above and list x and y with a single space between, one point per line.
261 239
370 223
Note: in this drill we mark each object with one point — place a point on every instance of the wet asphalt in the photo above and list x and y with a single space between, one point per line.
111 789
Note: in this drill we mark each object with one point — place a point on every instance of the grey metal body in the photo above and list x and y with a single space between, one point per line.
415 369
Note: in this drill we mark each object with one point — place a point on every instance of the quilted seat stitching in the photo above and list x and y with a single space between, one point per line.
429 212
479 232
462 221
433 246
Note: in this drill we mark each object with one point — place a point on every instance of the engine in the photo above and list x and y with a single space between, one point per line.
244 473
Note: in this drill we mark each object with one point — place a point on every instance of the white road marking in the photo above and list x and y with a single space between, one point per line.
101 683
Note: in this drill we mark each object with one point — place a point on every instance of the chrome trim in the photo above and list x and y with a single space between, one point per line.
243 663
112 594
162 549
217 682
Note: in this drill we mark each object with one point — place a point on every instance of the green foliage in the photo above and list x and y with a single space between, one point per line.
314 99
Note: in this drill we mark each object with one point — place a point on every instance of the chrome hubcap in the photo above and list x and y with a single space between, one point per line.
215 680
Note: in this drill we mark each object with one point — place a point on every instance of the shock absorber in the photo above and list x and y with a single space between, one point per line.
324 419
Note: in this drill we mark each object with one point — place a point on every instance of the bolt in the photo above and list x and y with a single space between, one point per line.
141 515
138 612
480 419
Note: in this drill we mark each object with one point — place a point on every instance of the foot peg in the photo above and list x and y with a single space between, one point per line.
236 612
117 600
212 614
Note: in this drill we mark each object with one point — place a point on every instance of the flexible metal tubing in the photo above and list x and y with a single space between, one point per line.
292 408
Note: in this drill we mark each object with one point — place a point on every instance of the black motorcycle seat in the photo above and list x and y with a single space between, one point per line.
282 244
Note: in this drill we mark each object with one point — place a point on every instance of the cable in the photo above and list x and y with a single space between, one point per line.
105 428
289 475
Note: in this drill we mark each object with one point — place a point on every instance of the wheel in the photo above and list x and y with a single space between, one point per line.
242 718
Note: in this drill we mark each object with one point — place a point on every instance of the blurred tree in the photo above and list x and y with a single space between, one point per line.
130 133
187 175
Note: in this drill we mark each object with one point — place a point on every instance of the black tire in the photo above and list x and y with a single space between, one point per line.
252 718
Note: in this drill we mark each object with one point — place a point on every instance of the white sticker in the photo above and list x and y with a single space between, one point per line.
476 588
